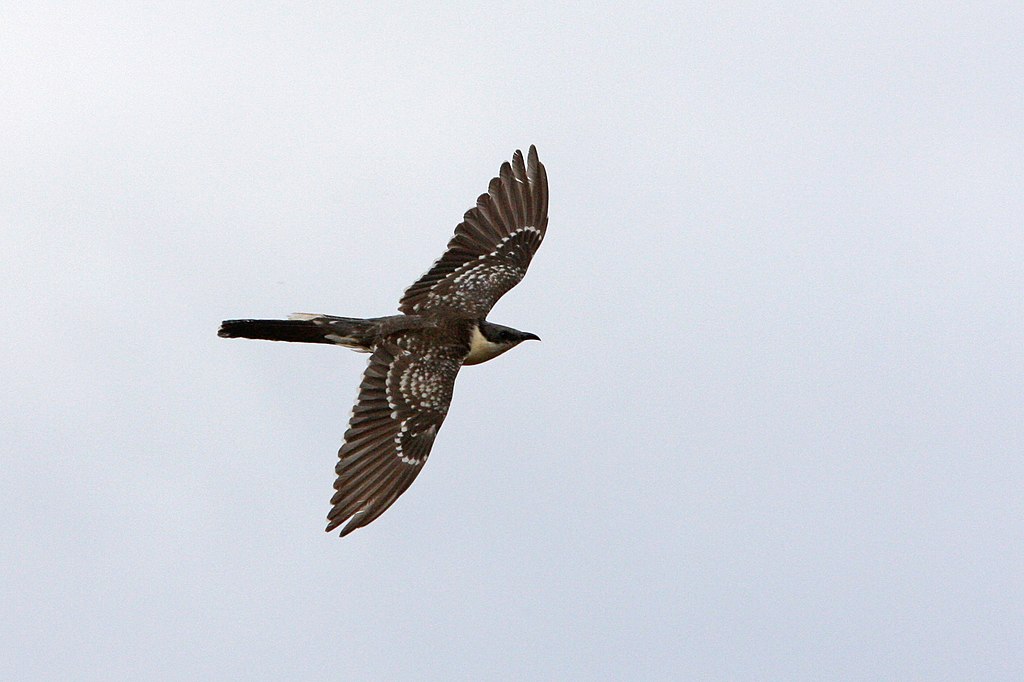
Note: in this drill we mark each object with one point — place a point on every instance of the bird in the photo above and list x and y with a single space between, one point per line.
415 356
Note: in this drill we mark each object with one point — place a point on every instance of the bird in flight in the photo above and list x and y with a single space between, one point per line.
415 356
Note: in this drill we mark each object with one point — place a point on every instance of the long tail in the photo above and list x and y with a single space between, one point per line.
352 332
302 331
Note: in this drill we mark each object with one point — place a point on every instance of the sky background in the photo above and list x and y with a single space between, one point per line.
775 428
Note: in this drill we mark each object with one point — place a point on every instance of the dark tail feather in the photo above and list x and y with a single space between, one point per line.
302 331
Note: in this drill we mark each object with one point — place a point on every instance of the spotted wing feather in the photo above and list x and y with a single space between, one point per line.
403 399
492 246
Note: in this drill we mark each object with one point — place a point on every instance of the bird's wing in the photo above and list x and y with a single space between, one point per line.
492 246
402 401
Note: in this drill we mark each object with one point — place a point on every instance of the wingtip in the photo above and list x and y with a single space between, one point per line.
332 526
530 156
354 521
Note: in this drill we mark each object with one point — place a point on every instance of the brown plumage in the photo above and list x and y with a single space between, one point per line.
415 357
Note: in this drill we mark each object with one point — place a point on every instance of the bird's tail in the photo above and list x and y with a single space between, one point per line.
302 331
351 332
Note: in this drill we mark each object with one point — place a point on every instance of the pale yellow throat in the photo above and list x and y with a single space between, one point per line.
482 350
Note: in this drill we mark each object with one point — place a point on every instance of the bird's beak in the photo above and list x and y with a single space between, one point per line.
527 336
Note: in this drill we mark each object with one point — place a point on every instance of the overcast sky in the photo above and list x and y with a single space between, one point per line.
775 428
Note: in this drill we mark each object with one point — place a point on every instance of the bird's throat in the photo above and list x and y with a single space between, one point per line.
481 349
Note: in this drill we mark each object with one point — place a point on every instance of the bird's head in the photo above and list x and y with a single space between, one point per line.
489 340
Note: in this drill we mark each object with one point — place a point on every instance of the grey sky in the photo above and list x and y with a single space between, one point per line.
773 431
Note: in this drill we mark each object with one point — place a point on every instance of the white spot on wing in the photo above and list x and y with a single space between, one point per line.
460 286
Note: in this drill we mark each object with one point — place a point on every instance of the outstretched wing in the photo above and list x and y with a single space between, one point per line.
403 399
492 246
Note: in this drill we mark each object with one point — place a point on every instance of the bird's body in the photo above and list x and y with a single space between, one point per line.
482 340
415 356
